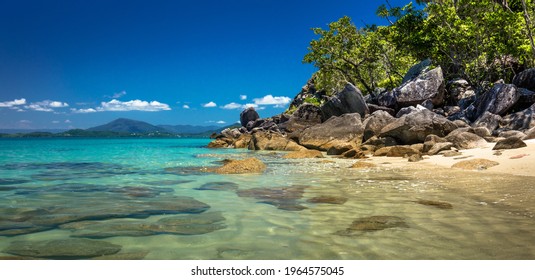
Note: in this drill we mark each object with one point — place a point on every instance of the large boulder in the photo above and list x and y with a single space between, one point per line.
375 123
262 140
349 100
525 79
498 100
428 85
520 120
509 143
464 138
414 127
488 120
248 165
387 99
304 154
335 131
248 115
306 115
460 93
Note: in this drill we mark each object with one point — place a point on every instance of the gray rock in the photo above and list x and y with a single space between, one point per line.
430 141
375 123
349 100
405 111
460 93
520 120
509 143
306 115
488 120
530 134
482 131
417 70
439 147
428 85
387 99
498 100
337 130
248 115
373 108
525 79
512 133
231 133
414 127
463 138
73 248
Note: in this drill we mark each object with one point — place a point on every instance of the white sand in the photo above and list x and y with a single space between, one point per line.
524 166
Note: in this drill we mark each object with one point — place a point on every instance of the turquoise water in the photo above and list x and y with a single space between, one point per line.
151 199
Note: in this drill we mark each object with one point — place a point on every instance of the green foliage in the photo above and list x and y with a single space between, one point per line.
479 41
312 100
363 57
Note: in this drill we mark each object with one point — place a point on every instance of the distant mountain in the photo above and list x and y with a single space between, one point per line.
128 126
189 129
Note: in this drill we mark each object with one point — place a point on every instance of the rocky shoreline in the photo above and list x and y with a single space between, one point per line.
425 116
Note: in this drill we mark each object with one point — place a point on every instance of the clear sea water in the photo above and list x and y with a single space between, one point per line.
48 185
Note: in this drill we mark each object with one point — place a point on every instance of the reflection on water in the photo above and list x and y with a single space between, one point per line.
142 201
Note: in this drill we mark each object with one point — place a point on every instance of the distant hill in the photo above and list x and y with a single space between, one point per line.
127 126
189 129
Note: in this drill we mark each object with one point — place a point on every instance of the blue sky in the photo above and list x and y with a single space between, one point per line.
78 64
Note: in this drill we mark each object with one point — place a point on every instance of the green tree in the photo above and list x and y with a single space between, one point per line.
344 53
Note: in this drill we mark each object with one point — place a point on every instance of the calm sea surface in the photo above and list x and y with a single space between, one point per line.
149 199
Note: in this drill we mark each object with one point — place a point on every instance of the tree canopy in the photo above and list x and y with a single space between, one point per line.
477 40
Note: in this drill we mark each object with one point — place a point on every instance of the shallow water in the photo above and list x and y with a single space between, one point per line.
53 189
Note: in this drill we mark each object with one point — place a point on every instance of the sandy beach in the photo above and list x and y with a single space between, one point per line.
513 162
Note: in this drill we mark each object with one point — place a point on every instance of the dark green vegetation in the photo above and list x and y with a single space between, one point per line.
126 128
479 41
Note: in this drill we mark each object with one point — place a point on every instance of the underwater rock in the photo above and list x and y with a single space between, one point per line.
373 223
363 164
73 248
96 206
437 204
138 255
328 199
189 224
475 164
218 186
284 198
10 181
167 182
186 170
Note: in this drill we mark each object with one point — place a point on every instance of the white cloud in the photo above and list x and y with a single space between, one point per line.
68 121
57 104
221 122
185 106
210 104
25 121
55 122
278 101
46 105
120 106
16 102
133 105
243 97
232 106
118 94
83 111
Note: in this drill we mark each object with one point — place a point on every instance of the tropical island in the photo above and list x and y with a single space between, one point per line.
452 76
